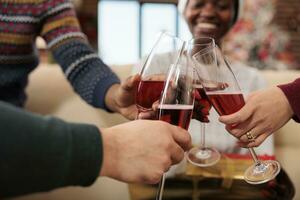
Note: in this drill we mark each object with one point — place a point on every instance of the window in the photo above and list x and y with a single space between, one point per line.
128 29
118 31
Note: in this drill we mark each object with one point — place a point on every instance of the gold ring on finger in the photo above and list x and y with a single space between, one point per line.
250 137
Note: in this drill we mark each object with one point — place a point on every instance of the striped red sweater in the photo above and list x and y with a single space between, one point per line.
21 21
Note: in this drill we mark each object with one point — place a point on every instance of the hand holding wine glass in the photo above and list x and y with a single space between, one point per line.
132 152
224 93
265 112
121 97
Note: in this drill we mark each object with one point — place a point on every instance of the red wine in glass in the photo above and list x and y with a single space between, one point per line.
178 115
226 103
147 93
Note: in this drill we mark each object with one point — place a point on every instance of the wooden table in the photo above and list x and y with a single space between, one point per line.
226 171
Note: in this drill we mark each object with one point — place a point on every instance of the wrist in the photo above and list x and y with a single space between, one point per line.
285 102
109 152
110 100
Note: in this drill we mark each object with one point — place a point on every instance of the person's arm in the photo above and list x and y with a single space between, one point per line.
43 153
89 76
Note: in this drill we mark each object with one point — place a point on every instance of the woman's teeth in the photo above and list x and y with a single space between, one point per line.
206 25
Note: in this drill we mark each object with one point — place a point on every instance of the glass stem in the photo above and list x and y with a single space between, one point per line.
254 156
160 189
202 135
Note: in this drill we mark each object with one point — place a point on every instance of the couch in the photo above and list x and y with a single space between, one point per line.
50 94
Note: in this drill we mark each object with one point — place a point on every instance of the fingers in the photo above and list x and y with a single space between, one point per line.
260 139
237 130
177 154
255 143
181 137
155 105
258 133
242 115
131 82
249 134
147 115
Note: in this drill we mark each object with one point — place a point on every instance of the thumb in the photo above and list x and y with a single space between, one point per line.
182 137
130 82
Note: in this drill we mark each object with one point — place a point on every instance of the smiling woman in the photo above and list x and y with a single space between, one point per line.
209 18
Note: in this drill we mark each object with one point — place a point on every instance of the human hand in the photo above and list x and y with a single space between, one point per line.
141 151
121 98
265 111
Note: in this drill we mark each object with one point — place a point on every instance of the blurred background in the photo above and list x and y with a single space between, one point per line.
266 36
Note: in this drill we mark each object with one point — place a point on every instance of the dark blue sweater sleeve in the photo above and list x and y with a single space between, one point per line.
43 153
89 76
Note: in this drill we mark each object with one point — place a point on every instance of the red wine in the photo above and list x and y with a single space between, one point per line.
201 97
147 93
226 103
178 115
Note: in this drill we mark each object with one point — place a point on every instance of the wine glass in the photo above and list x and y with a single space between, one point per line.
177 100
202 156
224 93
155 69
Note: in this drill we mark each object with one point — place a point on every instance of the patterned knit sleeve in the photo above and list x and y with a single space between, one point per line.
89 76
292 93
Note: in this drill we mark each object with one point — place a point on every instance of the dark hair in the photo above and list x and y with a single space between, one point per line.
236 11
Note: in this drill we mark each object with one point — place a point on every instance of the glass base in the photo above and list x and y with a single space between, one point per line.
203 157
262 173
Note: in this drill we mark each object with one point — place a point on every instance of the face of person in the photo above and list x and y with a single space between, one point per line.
210 18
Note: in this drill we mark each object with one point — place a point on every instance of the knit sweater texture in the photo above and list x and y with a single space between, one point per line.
21 21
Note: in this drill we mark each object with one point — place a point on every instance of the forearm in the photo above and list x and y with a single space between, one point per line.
110 100
42 153
89 76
